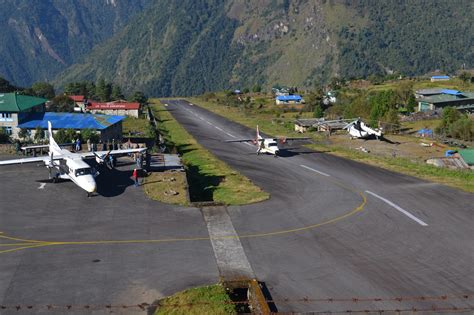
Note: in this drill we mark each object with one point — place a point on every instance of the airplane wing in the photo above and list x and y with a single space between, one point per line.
45 146
112 152
295 139
30 160
241 140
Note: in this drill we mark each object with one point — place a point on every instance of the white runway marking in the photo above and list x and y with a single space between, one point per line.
230 135
312 169
408 214
42 186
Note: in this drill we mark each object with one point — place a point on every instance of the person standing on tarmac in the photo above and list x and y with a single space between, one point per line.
135 177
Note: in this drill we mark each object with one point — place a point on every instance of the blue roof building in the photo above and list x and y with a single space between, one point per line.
109 127
289 99
70 121
439 78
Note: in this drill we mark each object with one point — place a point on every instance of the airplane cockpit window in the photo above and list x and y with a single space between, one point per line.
83 171
272 144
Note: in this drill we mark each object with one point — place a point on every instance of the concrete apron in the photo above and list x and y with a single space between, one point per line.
234 267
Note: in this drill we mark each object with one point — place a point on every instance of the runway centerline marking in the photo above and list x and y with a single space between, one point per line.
397 207
312 169
42 186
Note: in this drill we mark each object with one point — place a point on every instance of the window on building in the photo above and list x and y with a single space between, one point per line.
6 115
8 130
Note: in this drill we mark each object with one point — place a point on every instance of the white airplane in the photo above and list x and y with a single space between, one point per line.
267 145
357 129
71 165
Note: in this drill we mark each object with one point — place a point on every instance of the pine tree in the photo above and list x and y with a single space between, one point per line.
116 93
318 112
103 90
411 105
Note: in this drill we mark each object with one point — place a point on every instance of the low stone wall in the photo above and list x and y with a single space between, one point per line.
7 149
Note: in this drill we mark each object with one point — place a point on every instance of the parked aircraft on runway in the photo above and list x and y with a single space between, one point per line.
357 129
267 145
71 165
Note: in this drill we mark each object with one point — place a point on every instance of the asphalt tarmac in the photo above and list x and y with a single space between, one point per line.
327 234
117 248
325 241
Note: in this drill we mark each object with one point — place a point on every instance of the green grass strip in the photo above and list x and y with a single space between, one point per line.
197 301
207 175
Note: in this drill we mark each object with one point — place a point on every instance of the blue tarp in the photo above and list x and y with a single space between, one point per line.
425 132
450 153
451 92
70 120
440 77
289 98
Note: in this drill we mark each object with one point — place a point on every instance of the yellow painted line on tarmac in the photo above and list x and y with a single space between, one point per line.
16 244
28 243
2 235
24 247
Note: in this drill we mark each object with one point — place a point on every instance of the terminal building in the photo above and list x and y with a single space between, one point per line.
120 107
26 112
114 108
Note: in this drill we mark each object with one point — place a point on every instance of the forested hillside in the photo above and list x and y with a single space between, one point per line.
191 46
178 47
41 38
411 37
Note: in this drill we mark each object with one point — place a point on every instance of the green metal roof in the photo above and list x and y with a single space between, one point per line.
467 155
14 102
441 98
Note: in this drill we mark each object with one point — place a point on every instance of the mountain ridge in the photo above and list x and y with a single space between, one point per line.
45 37
189 47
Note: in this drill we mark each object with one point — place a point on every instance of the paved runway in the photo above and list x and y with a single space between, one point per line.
325 233
335 228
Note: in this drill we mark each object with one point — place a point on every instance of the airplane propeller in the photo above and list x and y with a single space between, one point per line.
101 159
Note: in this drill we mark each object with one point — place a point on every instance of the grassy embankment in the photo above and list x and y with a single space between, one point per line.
167 187
209 178
203 300
455 84
455 178
160 186
138 127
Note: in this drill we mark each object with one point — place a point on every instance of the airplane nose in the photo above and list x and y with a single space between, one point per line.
92 187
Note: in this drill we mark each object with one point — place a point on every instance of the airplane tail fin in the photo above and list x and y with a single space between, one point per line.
53 146
258 134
